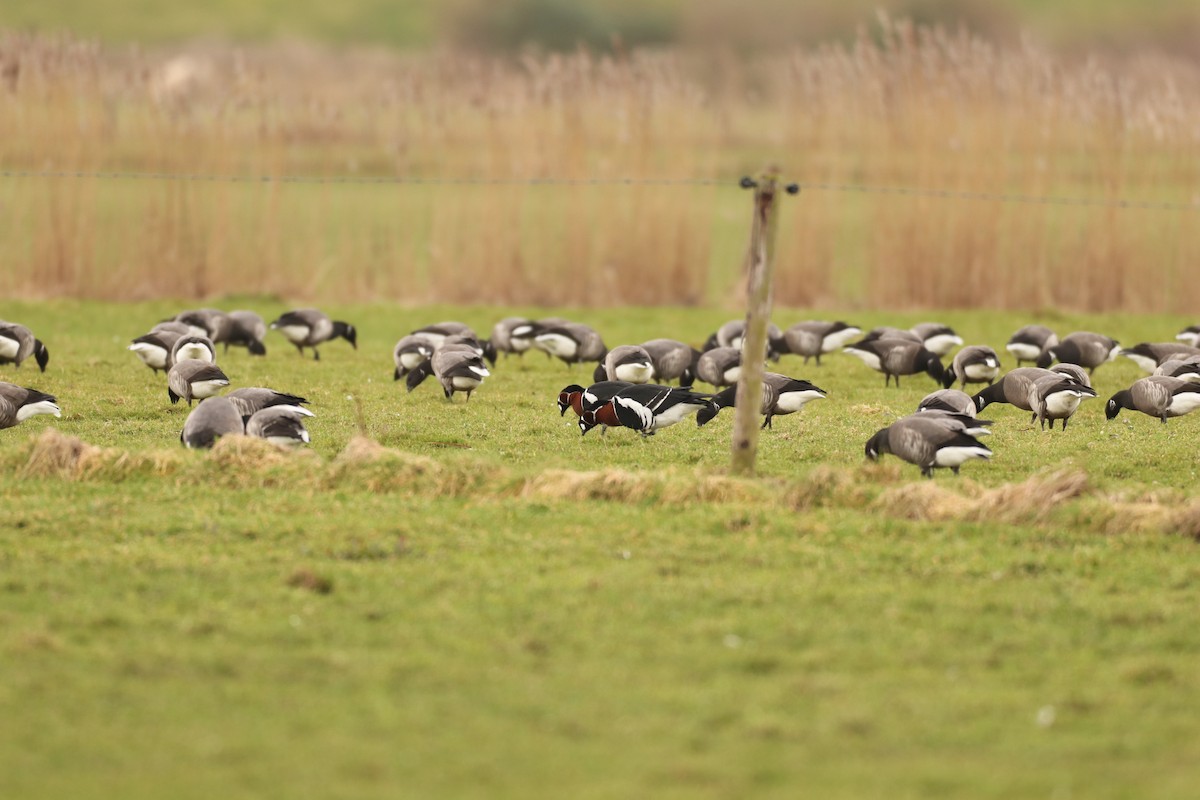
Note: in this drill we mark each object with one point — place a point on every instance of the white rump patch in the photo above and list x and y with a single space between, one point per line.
194 350
791 402
1064 403
1145 363
34 409
635 373
203 389
8 348
151 355
556 344
957 456
1184 403
466 384
867 357
294 333
1025 352
733 374
480 371
1189 338
982 372
942 343
836 341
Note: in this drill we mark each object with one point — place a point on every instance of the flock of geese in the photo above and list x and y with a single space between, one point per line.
630 388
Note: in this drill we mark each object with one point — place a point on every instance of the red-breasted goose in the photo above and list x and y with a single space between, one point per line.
580 399
645 408
896 357
18 343
1156 396
308 327
929 444
18 404
210 421
814 338
1028 343
974 364
1088 350
1149 355
191 379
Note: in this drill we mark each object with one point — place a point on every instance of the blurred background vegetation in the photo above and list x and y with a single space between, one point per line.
1120 25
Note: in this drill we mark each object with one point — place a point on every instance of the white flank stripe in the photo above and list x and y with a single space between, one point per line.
1146 364
867 357
8 348
294 333
465 383
792 402
635 373
557 345
836 341
1025 352
956 456
203 389
1184 403
34 409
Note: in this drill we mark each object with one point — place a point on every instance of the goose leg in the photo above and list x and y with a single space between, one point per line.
316 354
300 348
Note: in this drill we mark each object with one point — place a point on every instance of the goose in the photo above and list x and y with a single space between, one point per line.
154 349
959 423
280 425
1054 397
974 364
177 328
308 327
411 352
781 395
927 443
523 337
502 336
18 404
458 368
1156 396
888 332
721 366
1189 336
18 343
938 339
1149 355
192 379
1028 343
243 329
1186 368
440 330
951 400
250 400
1013 388
673 360
646 408
628 362
571 342
731 334
580 399
1088 350
896 357
813 339
199 348
1074 372
203 321
210 421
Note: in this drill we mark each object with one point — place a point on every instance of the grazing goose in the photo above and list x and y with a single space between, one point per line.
1054 397
1028 343
646 408
210 421
457 367
192 346
896 357
243 329
959 423
1013 388
673 360
571 342
409 353
781 395
1189 336
203 321
308 327
280 425
1186 369
1074 372
929 444
440 330
251 399
18 343
813 339
1088 350
974 364
731 333
628 362
1156 396
888 332
951 400
721 366
938 339
191 379
154 348
18 404
177 328
1149 355
523 337
580 399
502 336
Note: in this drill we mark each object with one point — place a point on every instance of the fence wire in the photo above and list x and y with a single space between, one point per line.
403 180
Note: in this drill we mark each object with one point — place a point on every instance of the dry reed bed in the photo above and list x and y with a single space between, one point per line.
1055 498
904 106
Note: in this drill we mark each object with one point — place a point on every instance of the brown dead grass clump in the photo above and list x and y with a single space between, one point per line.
310 581
56 455
1029 501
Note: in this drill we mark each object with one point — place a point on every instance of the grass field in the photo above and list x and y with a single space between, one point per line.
463 613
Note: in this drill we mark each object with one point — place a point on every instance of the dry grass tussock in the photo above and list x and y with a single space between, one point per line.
56 455
901 106
1030 501
628 487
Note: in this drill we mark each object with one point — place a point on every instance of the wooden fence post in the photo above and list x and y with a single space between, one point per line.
759 267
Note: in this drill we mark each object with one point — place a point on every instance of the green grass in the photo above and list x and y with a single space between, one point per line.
440 628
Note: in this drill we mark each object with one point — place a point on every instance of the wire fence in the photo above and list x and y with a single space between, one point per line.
398 180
